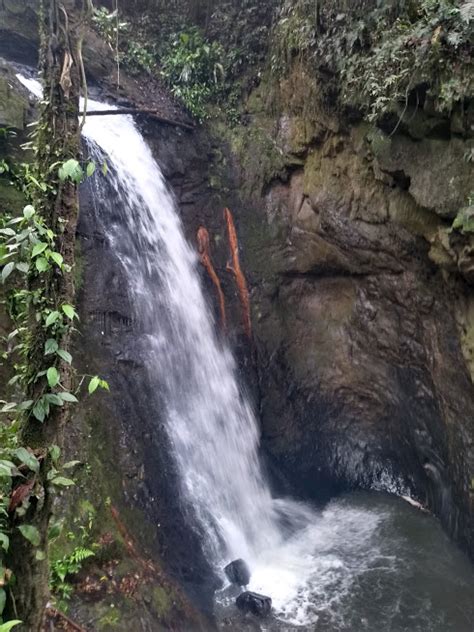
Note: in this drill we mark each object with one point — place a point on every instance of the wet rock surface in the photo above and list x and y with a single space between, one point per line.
362 361
253 603
238 573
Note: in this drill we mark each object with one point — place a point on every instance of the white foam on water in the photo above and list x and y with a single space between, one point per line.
313 569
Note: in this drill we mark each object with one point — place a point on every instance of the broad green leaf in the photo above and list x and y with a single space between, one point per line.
52 376
54 399
68 397
52 318
4 543
12 334
31 533
39 411
40 185
28 211
90 168
25 405
27 459
38 249
71 169
93 384
65 355
6 408
57 258
62 481
7 468
70 464
55 530
3 253
5 472
69 311
6 627
55 452
104 384
3 597
52 473
42 264
7 270
23 267
50 346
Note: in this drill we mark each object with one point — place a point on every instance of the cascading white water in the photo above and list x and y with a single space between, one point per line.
211 425
316 566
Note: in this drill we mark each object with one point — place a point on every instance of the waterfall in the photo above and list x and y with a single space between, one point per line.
348 567
210 423
211 426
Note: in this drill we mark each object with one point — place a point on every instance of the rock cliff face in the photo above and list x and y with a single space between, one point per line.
362 301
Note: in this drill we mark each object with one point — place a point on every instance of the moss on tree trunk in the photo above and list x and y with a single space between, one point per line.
58 140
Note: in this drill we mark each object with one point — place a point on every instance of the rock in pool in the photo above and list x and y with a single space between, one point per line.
256 604
238 572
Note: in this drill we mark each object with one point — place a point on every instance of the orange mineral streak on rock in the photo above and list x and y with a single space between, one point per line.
234 267
204 251
146 565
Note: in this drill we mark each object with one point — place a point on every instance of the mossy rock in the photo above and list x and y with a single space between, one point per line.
12 201
13 105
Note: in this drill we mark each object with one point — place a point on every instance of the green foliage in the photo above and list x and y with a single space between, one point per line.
96 383
109 25
27 248
432 45
15 463
194 69
129 49
243 30
29 263
6 627
31 533
139 57
464 221
193 66
380 57
294 34
64 567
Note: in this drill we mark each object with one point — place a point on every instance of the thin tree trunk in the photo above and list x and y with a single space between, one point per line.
58 140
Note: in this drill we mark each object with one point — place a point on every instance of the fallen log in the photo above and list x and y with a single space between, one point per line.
154 113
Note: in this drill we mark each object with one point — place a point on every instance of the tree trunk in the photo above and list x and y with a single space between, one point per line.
57 140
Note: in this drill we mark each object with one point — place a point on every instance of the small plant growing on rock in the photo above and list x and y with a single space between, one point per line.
194 69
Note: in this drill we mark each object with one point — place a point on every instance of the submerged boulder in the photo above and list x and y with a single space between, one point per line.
256 604
238 572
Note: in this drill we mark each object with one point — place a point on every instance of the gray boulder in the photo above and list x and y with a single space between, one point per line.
255 604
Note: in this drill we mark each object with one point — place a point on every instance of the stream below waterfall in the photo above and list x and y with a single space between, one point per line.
365 561
378 565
